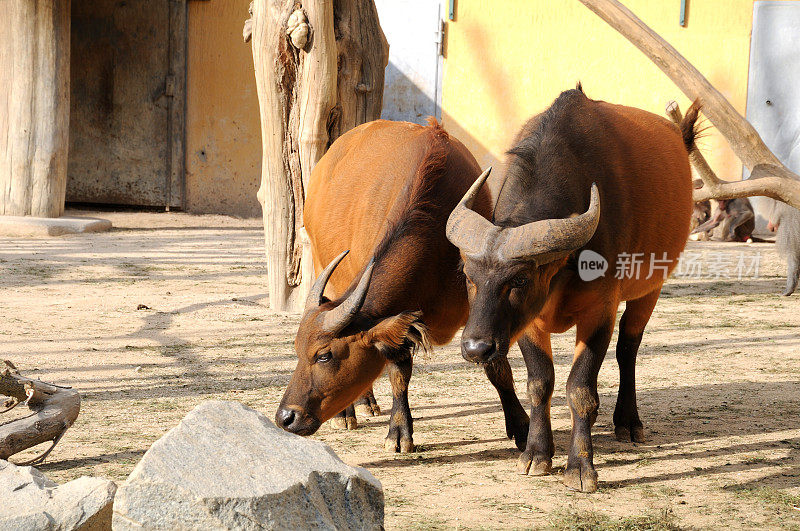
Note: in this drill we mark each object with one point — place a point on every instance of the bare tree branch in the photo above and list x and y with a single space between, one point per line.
769 176
710 179
53 410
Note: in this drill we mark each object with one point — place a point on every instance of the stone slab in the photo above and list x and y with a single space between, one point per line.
33 227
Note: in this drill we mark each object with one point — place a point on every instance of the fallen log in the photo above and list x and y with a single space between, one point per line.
53 410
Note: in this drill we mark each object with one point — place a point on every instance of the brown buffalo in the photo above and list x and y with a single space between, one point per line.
582 176
384 191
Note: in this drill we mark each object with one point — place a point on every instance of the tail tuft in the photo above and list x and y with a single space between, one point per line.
688 125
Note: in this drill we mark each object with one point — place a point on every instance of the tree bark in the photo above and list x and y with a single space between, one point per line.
363 55
34 106
319 70
54 409
769 176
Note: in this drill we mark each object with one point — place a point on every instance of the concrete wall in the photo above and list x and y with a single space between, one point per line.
773 102
223 130
506 61
412 87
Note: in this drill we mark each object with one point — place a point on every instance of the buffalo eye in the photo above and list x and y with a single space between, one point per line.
520 281
323 357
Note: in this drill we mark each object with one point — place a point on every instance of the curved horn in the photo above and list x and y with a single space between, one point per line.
336 319
552 236
466 229
314 298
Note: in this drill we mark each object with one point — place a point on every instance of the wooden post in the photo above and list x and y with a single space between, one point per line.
318 74
34 106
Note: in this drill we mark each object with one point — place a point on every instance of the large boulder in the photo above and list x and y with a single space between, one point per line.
226 466
29 501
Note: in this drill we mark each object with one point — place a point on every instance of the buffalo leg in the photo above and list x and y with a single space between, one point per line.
792 274
499 373
366 405
537 457
627 425
345 419
590 349
401 427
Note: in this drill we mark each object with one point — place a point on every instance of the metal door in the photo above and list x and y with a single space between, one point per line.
412 89
126 108
773 101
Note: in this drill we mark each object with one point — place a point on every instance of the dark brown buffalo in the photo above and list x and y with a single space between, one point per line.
583 175
384 190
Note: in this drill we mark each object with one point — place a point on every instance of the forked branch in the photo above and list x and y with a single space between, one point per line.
769 176
710 179
53 410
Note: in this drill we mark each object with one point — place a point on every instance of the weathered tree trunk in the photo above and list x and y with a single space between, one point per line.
54 409
769 176
363 55
34 106
319 69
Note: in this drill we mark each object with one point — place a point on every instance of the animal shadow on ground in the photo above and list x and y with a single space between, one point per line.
703 422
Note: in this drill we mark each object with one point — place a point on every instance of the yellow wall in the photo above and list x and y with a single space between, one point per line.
223 129
506 61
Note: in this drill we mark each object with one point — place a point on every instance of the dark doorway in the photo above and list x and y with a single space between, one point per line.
127 75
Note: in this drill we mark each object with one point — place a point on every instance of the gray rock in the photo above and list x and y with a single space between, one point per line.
32 502
226 466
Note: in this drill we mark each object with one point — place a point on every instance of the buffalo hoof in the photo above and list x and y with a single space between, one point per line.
404 445
368 410
580 479
344 423
517 430
535 467
632 434
541 468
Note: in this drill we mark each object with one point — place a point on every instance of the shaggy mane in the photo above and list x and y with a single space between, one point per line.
416 208
413 210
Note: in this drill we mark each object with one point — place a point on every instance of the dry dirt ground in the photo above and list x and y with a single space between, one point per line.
718 383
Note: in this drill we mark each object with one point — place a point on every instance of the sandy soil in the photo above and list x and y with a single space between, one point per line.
718 378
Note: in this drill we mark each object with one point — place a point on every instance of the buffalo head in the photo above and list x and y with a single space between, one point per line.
509 269
340 352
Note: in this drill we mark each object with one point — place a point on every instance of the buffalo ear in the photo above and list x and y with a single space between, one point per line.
400 335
